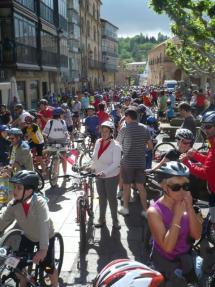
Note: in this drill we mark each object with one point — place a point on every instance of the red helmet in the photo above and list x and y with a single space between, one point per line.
28 120
127 273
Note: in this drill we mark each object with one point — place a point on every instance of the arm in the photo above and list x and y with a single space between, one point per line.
6 218
150 145
121 136
199 156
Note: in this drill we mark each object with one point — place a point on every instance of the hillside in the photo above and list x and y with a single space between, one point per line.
135 49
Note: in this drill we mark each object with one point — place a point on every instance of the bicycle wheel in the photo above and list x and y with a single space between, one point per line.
91 196
11 239
41 180
85 159
160 150
83 232
59 254
54 171
203 149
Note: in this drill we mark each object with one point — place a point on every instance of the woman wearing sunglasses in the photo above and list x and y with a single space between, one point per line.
172 221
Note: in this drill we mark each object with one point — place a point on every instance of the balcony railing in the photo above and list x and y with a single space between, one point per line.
64 61
26 54
63 24
46 13
109 67
6 55
49 59
94 64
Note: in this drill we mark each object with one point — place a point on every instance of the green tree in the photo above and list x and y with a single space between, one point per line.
194 25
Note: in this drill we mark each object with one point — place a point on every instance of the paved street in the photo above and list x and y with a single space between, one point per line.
104 244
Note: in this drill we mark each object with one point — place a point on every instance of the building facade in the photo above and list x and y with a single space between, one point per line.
109 53
33 46
161 67
91 56
74 45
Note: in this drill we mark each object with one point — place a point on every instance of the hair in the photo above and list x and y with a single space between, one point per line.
55 117
131 112
101 107
185 106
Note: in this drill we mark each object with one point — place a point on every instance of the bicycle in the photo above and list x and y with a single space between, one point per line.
84 205
161 149
34 274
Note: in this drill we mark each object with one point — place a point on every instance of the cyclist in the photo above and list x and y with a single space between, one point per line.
125 273
31 212
205 165
92 124
20 154
35 139
76 109
106 163
102 114
172 221
45 112
189 121
56 132
21 115
4 145
5 115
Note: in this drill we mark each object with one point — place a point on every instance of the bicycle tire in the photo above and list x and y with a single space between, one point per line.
41 179
211 233
54 173
91 197
83 232
11 239
85 158
161 149
203 149
43 276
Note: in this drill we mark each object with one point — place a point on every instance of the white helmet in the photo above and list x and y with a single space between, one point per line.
108 124
127 273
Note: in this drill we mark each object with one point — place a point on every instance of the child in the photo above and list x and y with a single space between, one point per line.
92 124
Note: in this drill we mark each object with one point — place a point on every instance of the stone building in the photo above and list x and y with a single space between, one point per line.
33 46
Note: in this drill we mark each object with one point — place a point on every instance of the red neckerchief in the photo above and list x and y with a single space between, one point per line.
103 147
26 206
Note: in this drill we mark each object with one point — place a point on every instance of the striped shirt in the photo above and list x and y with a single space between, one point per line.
133 138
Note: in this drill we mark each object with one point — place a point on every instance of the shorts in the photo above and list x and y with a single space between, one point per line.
133 175
28 246
38 147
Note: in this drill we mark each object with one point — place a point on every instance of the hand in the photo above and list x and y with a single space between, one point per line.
148 171
101 173
183 156
39 256
190 152
188 200
179 209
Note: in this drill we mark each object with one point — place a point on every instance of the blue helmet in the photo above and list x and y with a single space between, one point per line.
3 128
208 117
170 169
151 120
57 111
15 132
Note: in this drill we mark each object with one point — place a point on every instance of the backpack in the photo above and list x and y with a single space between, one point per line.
51 124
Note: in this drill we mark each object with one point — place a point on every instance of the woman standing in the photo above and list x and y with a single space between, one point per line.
106 162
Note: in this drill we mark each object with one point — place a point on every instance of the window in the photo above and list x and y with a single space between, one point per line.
46 10
94 33
48 42
62 8
25 31
48 3
30 4
88 28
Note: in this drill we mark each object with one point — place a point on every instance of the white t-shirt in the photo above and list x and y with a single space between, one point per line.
56 131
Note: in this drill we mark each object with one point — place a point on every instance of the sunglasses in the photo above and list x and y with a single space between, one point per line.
176 187
11 139
207 127
186 142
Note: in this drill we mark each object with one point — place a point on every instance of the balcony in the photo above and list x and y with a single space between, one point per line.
94 64
63 61
26 54
109 67
49 59
6 55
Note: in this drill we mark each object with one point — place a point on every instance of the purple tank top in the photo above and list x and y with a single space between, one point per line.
182 245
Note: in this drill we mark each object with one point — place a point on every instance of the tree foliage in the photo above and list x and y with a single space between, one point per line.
194 25
135 49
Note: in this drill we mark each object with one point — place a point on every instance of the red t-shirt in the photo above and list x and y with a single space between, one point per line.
200 100
47 113
103 116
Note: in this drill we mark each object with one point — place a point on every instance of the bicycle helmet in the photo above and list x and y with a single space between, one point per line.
208 117
184 134
108 124
18 106
43 102
28 120
57 111
151 120
170 169
91 108
27 178
141 108
127 273
3 128
15 132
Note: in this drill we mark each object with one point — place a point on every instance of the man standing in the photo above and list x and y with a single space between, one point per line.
134 138
189 121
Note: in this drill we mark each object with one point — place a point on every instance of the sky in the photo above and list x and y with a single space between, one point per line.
133 17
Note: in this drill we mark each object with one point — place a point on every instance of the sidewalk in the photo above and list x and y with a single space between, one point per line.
105 244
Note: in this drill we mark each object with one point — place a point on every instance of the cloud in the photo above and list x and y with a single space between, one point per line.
133 17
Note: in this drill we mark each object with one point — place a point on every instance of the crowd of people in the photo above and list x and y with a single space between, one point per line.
123 126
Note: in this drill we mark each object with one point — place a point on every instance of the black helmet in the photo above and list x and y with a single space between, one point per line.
208 117
184 134
28 178
170 169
